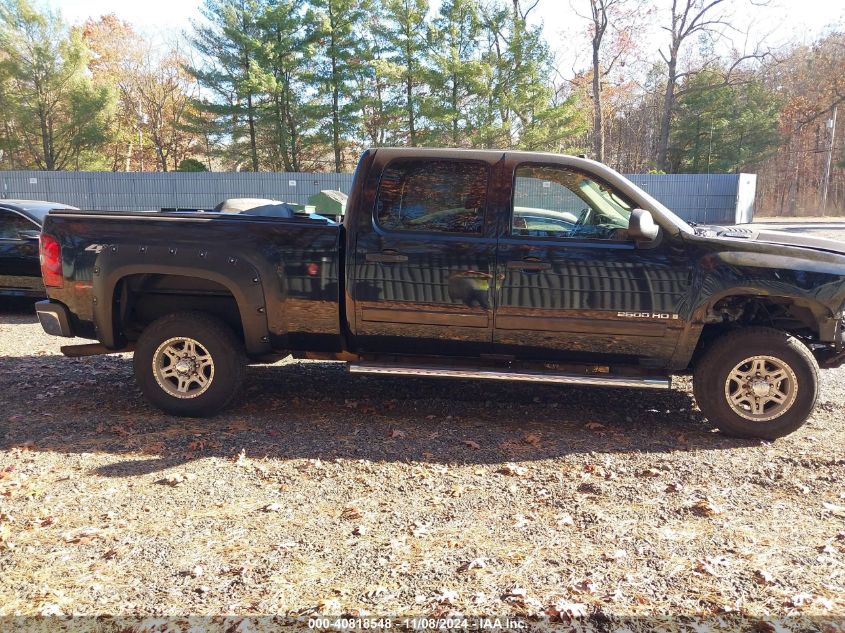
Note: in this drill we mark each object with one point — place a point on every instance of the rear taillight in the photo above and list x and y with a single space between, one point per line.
51 262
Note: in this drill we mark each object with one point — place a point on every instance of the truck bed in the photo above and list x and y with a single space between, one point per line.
280 275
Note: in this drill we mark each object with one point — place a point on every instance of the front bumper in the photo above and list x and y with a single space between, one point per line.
54 318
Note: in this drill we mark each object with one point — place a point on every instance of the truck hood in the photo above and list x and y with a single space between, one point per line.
782 238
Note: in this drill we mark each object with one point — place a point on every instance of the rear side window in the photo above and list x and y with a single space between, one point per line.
440 196
11 224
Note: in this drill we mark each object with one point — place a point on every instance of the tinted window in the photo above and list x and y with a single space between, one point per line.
12 223
559 202
433 196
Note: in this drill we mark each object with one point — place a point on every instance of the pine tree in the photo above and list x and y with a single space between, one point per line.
340 51
228 42
454 107
405 39
720 127
282 74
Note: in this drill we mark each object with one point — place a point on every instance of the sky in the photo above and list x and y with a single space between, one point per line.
781 21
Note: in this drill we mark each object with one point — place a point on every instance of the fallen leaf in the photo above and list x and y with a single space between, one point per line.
585 586
328 606
711 565
589 488
44 522
801 600
520 521
705 508
532 439
834 509
177 480
376 593
81 535
350 513
616 555
475 563
649 472
446 596
50 610
567 611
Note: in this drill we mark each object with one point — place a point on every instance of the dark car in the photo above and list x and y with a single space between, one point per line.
20 226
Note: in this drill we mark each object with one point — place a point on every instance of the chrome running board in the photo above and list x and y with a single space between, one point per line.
603 380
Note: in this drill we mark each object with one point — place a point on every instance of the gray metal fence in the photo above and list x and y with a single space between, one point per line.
714 198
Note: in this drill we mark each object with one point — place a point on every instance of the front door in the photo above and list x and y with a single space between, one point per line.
423 261
573 285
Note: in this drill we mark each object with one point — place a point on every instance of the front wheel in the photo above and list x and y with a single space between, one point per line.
757 382
189 363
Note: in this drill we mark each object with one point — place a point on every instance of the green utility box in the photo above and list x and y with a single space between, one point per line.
329 203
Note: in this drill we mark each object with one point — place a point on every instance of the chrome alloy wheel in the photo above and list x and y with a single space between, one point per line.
761 388
183 367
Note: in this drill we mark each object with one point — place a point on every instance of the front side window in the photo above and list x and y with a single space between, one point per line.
441 196
11 224
558 202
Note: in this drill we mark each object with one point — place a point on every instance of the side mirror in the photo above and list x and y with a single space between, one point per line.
28 234
641 226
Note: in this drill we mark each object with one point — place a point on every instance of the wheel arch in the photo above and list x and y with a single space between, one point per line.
802 316
240 279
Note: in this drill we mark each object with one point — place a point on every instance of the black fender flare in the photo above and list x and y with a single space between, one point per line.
235 273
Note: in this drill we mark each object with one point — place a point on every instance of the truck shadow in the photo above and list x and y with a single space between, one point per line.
310 410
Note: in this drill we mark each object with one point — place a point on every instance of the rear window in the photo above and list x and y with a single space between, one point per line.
433 196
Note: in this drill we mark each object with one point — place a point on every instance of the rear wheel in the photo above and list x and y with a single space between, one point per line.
757 382
189 363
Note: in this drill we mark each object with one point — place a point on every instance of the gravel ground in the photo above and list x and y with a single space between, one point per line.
324 492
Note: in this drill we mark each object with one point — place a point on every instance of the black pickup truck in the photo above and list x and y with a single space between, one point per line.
466 264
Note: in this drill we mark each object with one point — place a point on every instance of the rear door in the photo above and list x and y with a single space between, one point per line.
574 286
424 253
19 266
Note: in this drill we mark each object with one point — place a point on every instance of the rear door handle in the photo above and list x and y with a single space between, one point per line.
386 257
530 265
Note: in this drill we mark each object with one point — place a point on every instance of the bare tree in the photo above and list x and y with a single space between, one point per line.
688 18
601 14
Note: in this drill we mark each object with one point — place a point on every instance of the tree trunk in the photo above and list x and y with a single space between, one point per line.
338 162
666 114
250 113
598 123
46 145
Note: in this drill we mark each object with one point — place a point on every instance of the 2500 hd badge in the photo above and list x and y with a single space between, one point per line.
646 315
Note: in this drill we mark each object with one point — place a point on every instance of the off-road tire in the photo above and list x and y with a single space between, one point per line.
725 353
216 339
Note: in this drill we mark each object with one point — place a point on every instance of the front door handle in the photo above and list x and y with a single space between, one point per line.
386 257
529 265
